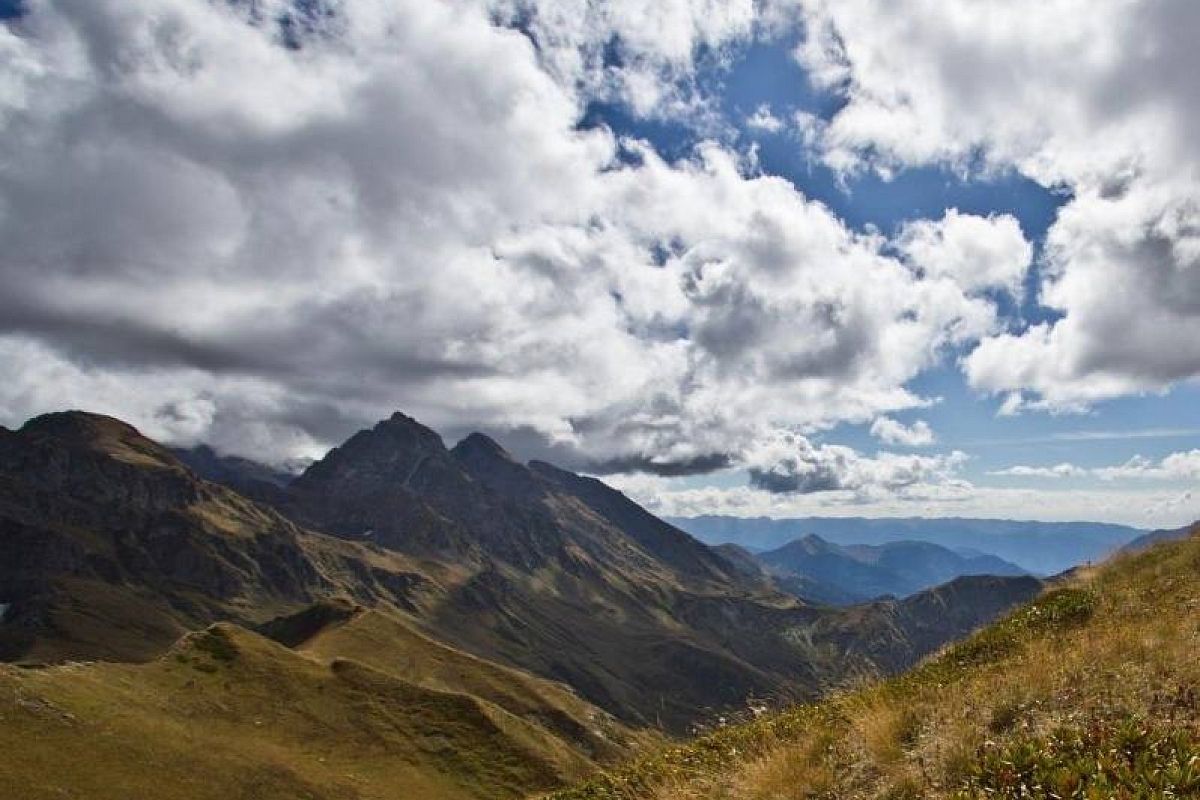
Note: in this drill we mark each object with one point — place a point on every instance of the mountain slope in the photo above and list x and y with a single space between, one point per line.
247 477
1088 691
227 713
820 571
1156 537
388 643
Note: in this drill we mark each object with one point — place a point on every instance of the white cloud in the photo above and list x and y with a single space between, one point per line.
763 120
206 225
890 431
1012 405
1182 466
789 463
977 252
1064 470
1097 97
1139 507
644 54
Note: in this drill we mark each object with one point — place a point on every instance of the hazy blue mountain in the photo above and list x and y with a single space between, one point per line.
1044 548
820 571
1154 537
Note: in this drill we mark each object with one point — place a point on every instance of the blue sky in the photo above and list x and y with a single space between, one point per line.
976 291
767 73
766 76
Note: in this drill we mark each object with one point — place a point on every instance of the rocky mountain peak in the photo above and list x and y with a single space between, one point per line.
485 460
392 451
481 446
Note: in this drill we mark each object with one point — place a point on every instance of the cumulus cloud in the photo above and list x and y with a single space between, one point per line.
890 431
764 120
792 463
1093 98
643 54
1181 466
1064 470
264 235
977 252
1184 466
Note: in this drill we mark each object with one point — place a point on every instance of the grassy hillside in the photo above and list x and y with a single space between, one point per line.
389 644
1090 691
230 714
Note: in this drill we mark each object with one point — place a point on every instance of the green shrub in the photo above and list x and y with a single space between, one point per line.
1130 759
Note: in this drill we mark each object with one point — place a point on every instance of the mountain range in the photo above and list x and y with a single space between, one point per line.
402 616
1041 548
820 571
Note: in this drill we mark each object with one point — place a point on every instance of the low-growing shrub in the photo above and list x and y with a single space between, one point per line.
1132 759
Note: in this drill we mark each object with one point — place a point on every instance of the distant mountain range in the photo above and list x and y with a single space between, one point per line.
1154 537
431 621
820 571
1041 548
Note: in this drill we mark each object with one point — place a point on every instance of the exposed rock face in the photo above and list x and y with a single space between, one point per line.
397 485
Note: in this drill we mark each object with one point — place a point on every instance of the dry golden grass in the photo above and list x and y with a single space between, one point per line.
885 729
230 715
1092 691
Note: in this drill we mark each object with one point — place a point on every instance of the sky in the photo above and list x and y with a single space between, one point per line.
752 257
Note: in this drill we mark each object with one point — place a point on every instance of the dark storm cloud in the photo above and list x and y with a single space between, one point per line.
786 482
